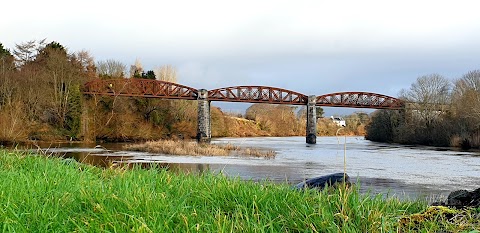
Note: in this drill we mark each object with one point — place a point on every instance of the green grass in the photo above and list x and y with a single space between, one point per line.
40 194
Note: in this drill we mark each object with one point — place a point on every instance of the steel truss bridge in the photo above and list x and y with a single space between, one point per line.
248 94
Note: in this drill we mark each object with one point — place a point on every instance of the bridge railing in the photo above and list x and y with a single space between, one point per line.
257 94
249 94
140 88
359 100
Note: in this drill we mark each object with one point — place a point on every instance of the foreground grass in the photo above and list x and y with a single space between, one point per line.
39 194
174 147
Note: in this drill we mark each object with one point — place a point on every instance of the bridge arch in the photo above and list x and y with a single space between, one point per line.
257 94
140 88
250 94
359 100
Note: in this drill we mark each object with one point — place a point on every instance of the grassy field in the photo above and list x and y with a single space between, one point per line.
40 194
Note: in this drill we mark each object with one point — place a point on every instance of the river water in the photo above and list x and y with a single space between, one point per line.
404 171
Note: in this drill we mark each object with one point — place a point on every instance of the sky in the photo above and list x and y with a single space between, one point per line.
313 47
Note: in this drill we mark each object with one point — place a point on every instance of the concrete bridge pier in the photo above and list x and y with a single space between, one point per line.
204 133
311 120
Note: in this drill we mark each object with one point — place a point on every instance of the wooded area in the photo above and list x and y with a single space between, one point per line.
440 113
41 99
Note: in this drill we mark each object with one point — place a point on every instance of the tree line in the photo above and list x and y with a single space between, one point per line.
41 99
439 112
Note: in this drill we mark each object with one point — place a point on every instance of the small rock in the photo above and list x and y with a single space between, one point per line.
461 199
458 198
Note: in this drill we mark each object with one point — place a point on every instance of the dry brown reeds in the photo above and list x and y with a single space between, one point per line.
466 142
174 147
475 139
455 141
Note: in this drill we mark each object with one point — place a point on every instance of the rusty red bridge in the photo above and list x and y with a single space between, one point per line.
248 94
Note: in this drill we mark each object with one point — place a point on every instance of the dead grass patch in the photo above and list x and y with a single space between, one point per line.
174 147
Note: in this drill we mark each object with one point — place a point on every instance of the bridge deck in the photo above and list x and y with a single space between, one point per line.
250 94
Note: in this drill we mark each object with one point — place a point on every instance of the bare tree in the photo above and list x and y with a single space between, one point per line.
136 69
469 82
86 62
466 96
166 73
111 69
429 89
27 51
182 108
429 95
7 69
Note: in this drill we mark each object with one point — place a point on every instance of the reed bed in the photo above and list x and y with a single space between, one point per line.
41 194
174 147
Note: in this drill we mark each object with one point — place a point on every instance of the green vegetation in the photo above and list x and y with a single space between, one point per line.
439 113
41 194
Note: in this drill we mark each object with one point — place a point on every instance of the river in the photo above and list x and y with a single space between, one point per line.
403 171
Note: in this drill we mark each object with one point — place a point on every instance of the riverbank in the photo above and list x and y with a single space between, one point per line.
50 194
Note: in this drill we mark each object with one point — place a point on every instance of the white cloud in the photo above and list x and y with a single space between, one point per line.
210 27
310 46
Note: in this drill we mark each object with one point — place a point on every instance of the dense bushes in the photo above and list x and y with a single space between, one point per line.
435 114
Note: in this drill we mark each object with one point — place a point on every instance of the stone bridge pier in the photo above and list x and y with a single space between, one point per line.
311 134
204 132
148 88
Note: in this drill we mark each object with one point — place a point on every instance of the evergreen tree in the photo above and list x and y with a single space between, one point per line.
6 58
52 47
4 51
74 114
149 75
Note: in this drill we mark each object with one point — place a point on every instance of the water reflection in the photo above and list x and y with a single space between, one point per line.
98 159
109 155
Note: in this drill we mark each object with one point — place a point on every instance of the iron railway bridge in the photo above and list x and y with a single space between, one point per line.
247 94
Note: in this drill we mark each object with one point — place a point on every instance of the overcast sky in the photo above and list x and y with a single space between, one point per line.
313 47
